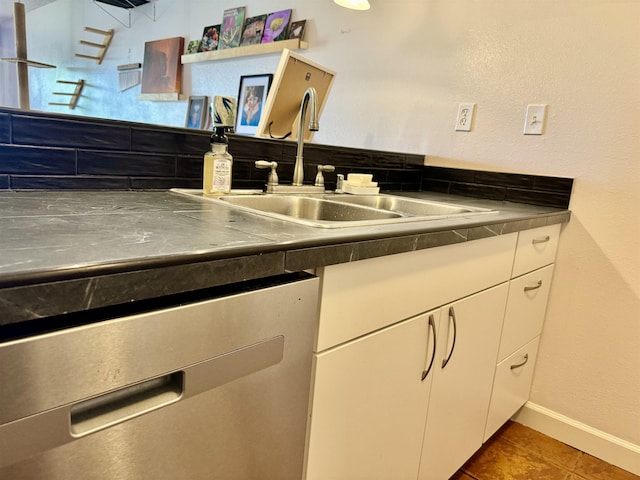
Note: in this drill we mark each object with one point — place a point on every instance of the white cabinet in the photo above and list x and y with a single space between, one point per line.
526 307
373 413
370 401
369 404
467 344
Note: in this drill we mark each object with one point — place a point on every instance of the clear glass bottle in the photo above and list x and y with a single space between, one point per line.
216 179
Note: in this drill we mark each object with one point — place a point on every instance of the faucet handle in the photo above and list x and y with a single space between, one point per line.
319 177
272 180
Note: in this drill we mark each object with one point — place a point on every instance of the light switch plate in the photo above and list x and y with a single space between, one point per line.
465 117
535 119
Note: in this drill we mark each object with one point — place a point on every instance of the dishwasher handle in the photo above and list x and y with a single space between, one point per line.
125 404
24 438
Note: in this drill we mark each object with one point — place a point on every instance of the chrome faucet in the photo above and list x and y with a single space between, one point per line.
309 98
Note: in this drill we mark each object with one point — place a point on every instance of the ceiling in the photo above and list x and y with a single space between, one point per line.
6 6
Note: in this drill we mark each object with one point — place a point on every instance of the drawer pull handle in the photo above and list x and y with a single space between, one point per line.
432 326
544 239
518 365
452 318
536 286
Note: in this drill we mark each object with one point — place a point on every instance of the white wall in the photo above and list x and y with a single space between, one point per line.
402 68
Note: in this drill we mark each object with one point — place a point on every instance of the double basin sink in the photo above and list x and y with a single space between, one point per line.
343 210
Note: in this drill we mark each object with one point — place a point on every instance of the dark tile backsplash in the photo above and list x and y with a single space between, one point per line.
54 151
21 160
5 122
166 140
512 187
126 163
58 131
30 182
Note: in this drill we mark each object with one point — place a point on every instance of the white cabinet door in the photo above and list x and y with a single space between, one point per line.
511 386
468 341
370 404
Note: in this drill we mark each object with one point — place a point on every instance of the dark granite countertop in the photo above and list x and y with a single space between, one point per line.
66 251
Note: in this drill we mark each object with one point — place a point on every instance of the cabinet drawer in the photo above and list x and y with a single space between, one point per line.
536 248
511 386
526 308
361 297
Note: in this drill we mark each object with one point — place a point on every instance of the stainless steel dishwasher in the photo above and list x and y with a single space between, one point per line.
210 388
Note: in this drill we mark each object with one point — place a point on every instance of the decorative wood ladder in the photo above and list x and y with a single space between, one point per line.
108 35
75 95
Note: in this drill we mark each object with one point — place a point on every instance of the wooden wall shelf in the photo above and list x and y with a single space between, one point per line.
161 97
259 49
102 47
75 95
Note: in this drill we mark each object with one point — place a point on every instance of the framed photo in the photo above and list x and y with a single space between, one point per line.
277 26
197 111
210 38
296 29
162 70
193 46
231 29
252 96
253 29
295 73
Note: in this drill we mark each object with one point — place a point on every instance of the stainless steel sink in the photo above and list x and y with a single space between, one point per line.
330 210
308 208
404 205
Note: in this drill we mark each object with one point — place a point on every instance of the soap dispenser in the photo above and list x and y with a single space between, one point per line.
217 165
218 162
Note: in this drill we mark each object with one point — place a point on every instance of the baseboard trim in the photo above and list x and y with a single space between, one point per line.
595 442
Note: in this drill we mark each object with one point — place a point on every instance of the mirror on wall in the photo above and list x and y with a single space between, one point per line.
63 33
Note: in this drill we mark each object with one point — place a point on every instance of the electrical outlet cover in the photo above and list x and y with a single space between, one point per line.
464 119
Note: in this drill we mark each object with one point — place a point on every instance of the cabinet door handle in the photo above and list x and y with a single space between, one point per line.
432 326
535 286
452 318
544 239
521 364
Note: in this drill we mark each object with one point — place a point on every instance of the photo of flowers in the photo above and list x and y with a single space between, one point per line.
193 46
231 29
277 26
210 37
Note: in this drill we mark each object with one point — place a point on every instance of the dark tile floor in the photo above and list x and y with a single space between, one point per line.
517 452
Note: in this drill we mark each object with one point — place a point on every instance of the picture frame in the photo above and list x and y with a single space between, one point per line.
197 111
296 29
252 95
295 73
210 38
253 30
161 68
231 28
192 47
276 26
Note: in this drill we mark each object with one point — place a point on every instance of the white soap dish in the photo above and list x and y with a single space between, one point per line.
358 190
